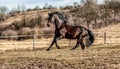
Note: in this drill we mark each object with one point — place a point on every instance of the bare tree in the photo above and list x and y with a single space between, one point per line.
3 10
89 12
76 4
46 6
36 7
18 9
23 8
114 5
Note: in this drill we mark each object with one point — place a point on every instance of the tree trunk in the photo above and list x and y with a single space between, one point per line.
88 22
24 20
95 21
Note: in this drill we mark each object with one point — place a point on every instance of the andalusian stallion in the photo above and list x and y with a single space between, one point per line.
84 36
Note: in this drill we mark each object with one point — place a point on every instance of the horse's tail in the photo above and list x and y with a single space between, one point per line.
89 39
91 36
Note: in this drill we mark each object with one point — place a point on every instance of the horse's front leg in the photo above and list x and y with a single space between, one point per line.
57 44
58 38
54 40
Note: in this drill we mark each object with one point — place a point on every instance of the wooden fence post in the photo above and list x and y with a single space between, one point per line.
69 42
33 41
104 38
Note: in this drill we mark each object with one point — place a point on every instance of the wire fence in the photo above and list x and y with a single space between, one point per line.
35 42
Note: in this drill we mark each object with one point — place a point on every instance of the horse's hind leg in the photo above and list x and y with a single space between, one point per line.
82 45
58 38
77 44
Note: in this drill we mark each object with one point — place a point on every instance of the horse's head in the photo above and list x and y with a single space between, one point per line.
50 19
55 16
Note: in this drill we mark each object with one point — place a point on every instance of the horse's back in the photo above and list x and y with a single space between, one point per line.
73 32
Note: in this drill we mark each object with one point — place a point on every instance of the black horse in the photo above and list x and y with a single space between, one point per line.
63 30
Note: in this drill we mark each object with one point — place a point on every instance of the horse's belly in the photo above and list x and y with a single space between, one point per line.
69 36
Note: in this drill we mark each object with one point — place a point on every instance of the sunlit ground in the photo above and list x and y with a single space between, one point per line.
98 56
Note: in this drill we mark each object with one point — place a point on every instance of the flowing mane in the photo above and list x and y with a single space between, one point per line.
60 15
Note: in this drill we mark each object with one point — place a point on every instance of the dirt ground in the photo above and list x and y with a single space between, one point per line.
99 56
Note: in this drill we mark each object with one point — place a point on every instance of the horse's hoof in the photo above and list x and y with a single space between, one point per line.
47 49
58 47
72 49
82 49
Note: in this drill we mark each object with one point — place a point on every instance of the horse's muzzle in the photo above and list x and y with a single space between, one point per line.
48 24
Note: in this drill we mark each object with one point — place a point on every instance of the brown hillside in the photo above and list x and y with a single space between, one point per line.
44 13
29 15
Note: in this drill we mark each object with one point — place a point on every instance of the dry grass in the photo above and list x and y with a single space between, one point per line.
28 44
111 28
20 55
11 45
95 57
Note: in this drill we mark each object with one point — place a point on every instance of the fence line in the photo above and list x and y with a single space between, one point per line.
53 34
34 38
23 35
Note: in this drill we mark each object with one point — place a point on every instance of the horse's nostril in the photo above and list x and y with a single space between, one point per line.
48 25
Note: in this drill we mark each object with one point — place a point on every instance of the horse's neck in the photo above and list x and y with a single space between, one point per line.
58 24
